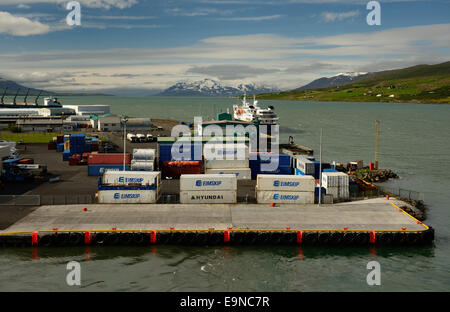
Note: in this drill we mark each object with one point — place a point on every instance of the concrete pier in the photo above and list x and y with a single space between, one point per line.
367 215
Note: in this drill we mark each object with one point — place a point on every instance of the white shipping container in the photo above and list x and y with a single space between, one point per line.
306 166
241 173
144 154
128 197
131 177
343 192
226 151
294 183
142 165
208 197
267 197
208 182
333 190
335 179
226 164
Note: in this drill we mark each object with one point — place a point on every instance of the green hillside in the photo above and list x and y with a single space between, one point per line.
417 84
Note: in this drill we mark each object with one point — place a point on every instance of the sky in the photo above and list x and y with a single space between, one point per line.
152 44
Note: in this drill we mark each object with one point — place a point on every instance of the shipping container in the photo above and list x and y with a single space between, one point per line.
174 169
285 183
131 178
66 155
306 166
335 179
51 146
144 154
333 190
128 197
60 147
225 151
207 182
267 197
142 165
226 164
112 159
208 197
98 170
241 173
185 152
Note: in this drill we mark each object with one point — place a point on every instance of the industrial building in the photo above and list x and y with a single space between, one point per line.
109 123
40 124
139 124
55 111
89 109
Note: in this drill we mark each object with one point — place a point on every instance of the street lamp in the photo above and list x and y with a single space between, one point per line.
124 122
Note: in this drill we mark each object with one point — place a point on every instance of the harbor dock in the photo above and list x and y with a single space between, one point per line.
376 221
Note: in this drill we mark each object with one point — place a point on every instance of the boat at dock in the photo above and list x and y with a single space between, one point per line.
250 112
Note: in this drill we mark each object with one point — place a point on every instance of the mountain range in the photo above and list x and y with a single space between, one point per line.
416 84
334 81
209 87
13 87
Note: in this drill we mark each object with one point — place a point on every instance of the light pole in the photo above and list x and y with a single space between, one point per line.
320 169
124 121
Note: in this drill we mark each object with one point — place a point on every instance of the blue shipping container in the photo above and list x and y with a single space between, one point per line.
98 170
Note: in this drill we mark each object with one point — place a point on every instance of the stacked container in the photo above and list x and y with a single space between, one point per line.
208 189
143 160
98 163
305 166
78 144
129 187
285 189
260 161
336 184
228 159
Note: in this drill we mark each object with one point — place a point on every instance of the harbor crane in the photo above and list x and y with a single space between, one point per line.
3 96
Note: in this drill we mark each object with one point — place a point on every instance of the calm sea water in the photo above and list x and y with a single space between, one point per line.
415 143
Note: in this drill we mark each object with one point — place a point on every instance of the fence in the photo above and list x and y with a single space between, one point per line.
402 193
20 200
38 200
381 191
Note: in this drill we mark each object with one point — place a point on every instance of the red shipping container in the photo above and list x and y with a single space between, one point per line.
26 161
108 159
60 138
73 161
85 156
175 169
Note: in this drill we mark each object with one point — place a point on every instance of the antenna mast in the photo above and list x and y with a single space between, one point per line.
377 141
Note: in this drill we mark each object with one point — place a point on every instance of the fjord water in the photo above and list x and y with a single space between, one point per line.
414 142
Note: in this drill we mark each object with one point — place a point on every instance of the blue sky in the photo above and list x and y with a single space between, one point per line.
152 44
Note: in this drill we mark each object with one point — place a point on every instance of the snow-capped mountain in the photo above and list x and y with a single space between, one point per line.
209 87
334 81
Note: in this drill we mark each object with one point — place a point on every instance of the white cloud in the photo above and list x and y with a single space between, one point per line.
333 16
23 6
259 58
105 4
252 18
20 26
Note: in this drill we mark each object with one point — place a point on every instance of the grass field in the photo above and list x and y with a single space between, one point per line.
417 84
27 137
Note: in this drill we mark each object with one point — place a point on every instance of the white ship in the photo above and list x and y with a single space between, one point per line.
247 112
